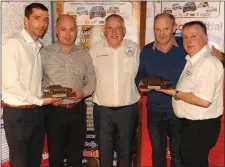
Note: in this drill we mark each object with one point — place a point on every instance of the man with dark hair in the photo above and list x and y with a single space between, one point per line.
21 90
115 98
198 97
164 57
68 65
29 8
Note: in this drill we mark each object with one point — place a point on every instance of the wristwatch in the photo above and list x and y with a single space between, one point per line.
175 96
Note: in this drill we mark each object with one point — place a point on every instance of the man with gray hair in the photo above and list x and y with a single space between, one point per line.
115 98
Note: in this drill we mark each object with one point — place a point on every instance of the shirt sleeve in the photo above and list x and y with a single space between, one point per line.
206 81
11 73
223 60
137 61
89 78
141 74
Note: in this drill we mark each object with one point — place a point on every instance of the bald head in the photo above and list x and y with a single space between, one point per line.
66 17
66 30
165 16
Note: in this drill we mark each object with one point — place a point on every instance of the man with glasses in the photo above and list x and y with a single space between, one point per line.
115 98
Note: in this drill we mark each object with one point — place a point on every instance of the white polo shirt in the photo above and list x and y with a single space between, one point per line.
115 71
21 70
202 75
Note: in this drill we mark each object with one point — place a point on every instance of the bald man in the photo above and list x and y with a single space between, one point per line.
67 65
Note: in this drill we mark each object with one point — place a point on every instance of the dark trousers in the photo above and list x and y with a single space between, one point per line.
66 132
115 129
160 126
197 138
24 129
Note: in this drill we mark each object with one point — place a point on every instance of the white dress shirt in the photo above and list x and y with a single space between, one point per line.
21 70
116 70
203 76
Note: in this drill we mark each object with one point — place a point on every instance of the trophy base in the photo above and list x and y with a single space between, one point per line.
154 87
59 95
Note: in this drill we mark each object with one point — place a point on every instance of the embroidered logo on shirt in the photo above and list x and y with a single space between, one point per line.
129 51
189 73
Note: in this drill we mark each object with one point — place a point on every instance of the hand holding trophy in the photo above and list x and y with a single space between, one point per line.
58 91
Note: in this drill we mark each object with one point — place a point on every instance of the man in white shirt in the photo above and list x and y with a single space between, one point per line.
21 89
115 98
198 98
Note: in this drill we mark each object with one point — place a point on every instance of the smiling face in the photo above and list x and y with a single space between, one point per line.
66 30
37 23
194 39
114 31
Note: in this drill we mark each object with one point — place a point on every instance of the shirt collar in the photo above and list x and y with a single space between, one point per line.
195 58
29 39
174 43
105 43
59 48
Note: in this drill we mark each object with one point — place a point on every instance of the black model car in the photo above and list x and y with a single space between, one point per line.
97 11
189 6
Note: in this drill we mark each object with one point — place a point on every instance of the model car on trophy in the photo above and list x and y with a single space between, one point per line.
155 82
58 91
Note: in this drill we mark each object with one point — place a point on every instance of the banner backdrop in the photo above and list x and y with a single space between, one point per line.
212 14
89 32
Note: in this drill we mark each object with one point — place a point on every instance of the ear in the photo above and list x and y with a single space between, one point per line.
174 28
206 39
124 31
25 19
104 31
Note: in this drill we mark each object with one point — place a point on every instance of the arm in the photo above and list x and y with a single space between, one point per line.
220 55
187 97
11 73
205 86
89 78
141 74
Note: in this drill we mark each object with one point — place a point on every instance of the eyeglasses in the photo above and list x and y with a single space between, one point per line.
117 29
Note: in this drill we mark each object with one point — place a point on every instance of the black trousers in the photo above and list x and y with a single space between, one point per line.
115 129
197 138
66 132
24 129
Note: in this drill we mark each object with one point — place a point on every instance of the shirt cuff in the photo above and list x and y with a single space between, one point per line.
203 97
36 101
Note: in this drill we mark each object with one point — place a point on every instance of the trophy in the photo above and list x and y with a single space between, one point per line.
58 91
156 82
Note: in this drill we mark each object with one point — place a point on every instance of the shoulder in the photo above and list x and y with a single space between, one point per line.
96 47
211 62
131 43
14 40
81 53
148 48
48 48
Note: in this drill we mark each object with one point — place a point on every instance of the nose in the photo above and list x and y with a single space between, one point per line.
68 33
161 33
114 31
